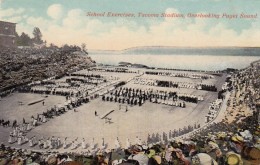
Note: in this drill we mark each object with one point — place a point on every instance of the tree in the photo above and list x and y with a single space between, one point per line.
65 47
37 36
83 48
24 40
75 48
53 46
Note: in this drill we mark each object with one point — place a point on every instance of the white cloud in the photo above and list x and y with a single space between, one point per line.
38 22
75 19
55 11
15 19
120 35
76 28
4 13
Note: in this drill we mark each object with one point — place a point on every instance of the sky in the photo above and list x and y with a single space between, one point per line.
67 22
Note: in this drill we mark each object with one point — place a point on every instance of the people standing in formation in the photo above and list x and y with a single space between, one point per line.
134 96
75 88
55 143
20 130
117 70
126 95
19 136
173 84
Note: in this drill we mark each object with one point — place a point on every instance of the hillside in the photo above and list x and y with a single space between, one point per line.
21 66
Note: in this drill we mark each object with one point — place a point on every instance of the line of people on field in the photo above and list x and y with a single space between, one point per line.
185 75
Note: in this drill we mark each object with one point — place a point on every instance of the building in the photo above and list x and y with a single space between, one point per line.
7 34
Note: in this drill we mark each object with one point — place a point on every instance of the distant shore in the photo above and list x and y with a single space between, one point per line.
169 50
183 62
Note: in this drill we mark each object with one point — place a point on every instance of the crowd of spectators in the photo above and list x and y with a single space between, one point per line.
22 66
244 87
223 143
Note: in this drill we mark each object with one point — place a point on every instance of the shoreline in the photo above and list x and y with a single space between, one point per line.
180 62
